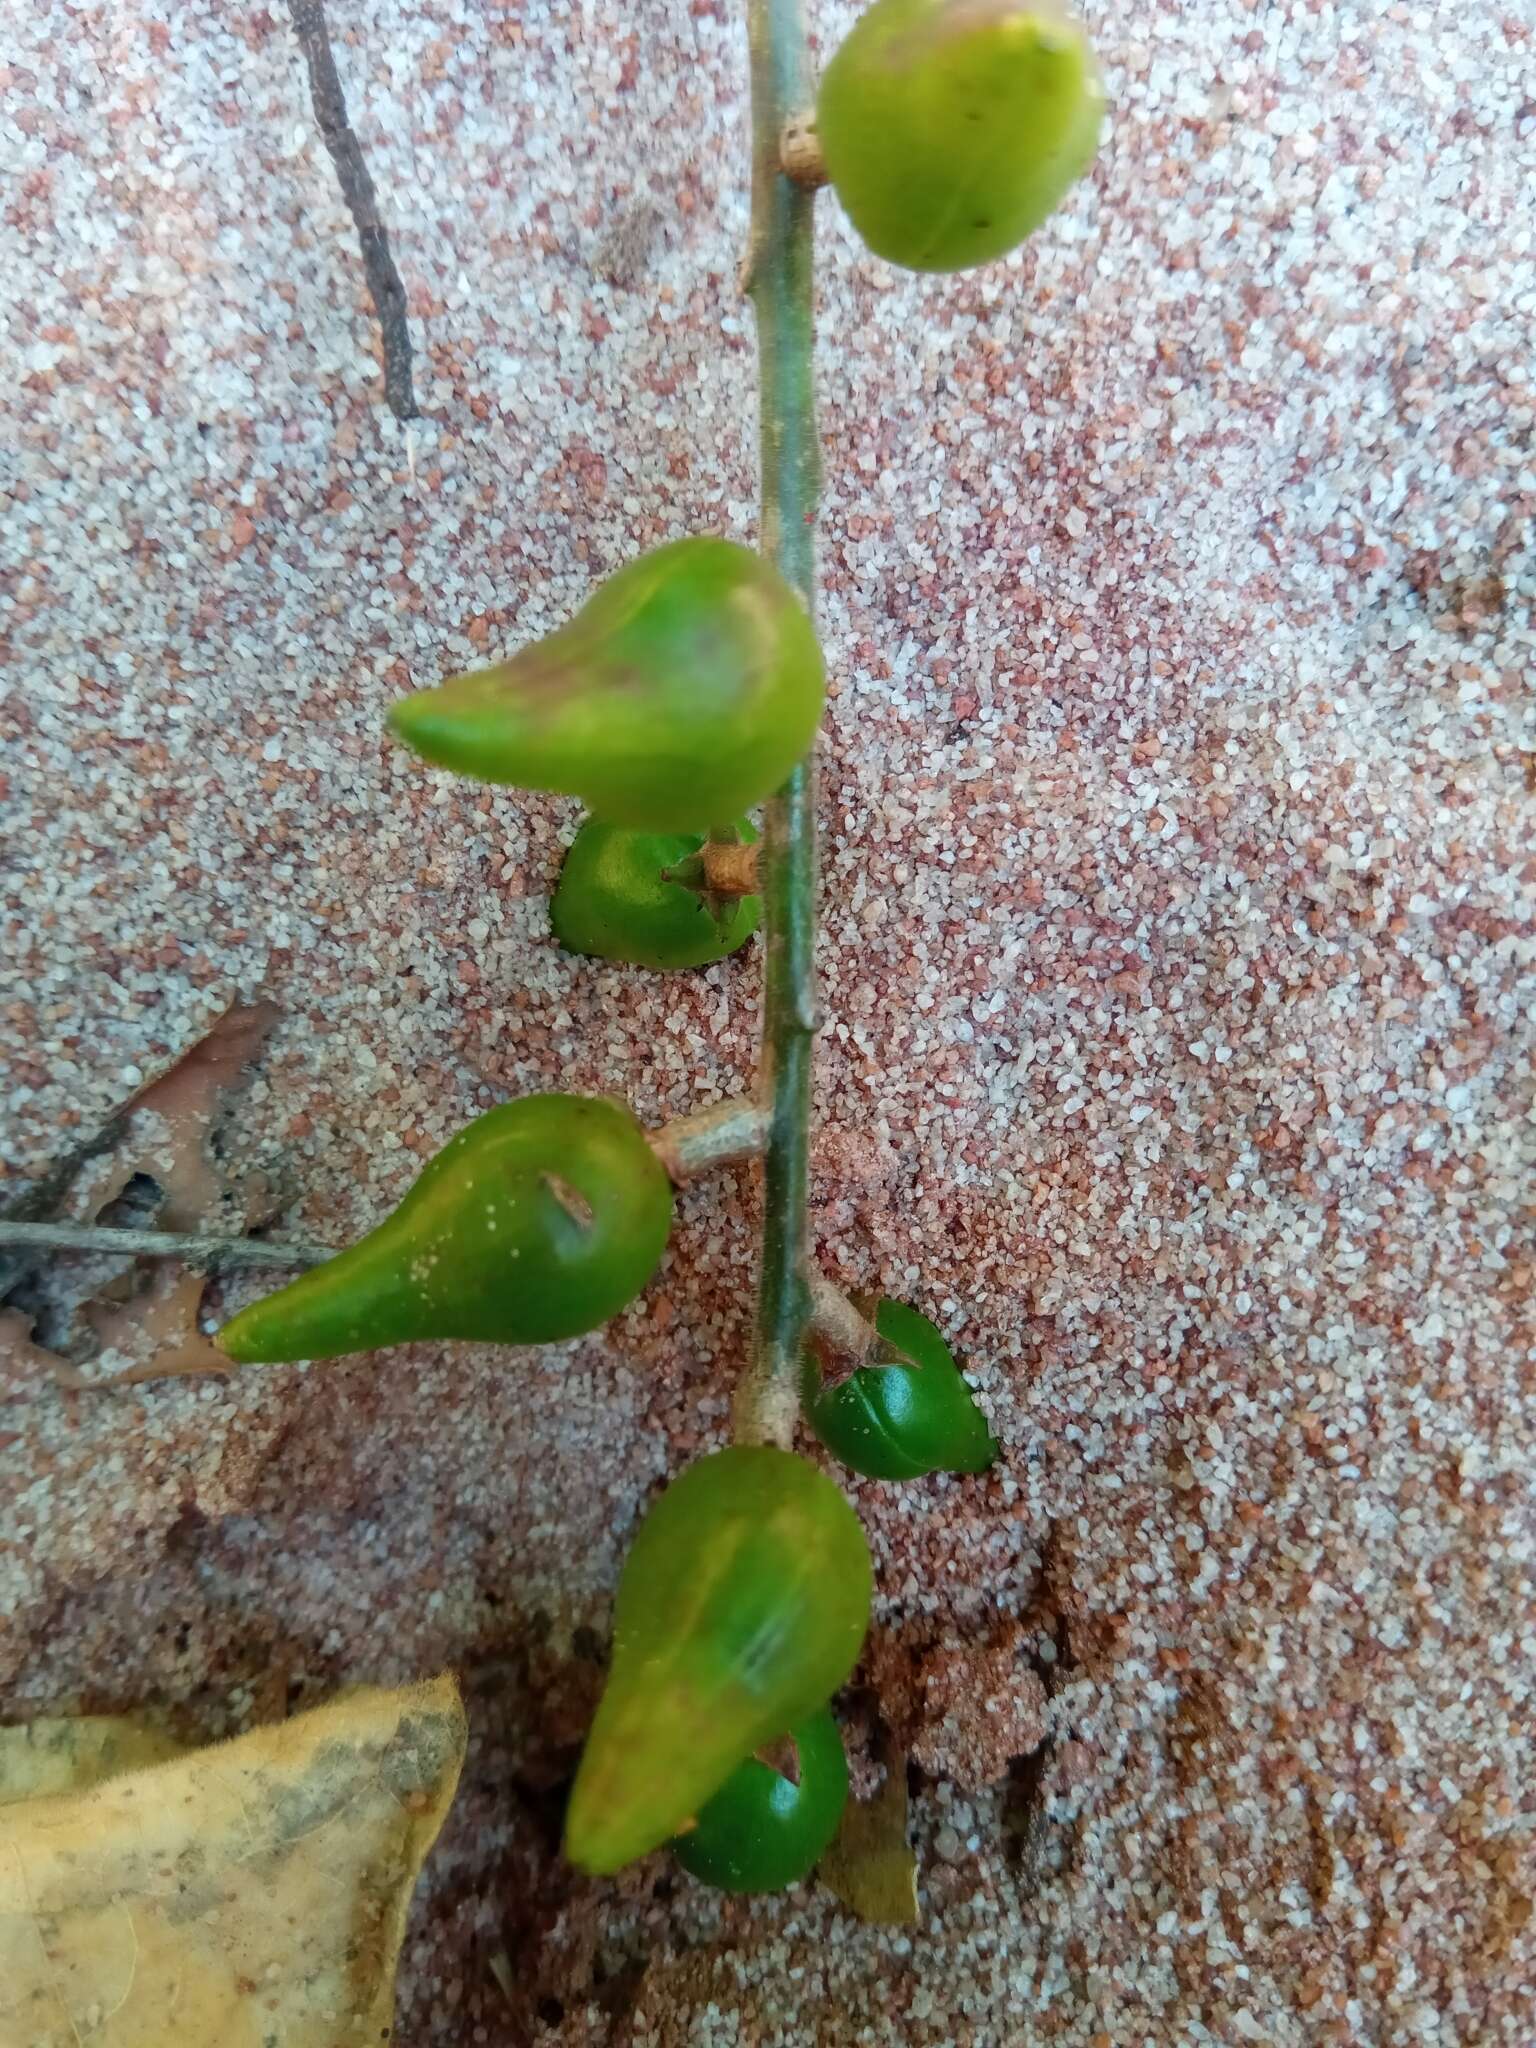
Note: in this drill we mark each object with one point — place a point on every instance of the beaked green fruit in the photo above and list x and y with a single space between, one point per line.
683 692
741 1609
897 1421
614 902
951 128
763 1830
541 1219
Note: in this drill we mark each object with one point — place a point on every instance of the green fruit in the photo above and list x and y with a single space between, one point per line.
614 901
762 1830
951 128
897 1421
539 1220
741 1609
683 692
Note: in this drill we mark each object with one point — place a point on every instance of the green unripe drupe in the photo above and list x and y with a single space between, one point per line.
541 1219
614 900
899 1421
741 1609
951 128
764 1830
683 692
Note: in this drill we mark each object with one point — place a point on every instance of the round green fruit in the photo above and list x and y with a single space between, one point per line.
951 128
764 1830
683 692
541 1219
615 901
900 1421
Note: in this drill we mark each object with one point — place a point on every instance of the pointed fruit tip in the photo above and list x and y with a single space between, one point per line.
234 1340
404 716
447 727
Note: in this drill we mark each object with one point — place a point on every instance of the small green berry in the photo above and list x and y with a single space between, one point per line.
899 1421
763 1830
951 128
615 901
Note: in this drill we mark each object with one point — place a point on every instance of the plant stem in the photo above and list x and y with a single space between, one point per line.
779 281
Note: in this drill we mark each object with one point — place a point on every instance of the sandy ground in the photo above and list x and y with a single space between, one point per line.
1180 847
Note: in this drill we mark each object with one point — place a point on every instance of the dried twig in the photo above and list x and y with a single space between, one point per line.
49 1194
357 188
209 1254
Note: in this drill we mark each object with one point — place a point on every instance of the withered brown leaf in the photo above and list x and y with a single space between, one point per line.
166 1129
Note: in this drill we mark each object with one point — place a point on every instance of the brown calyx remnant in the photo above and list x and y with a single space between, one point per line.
729 871
720 873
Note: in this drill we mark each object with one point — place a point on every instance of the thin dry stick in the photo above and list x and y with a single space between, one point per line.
40 1201
779 281
384 286
210 1254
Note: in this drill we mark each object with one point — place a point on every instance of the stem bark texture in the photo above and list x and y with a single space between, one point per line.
780 284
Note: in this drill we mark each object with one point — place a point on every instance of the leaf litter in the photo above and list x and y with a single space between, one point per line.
256 1890
141 1320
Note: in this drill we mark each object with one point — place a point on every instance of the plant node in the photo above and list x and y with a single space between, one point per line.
800 152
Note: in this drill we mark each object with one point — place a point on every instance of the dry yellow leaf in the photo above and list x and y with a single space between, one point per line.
251 1895
67 1755
869 1866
